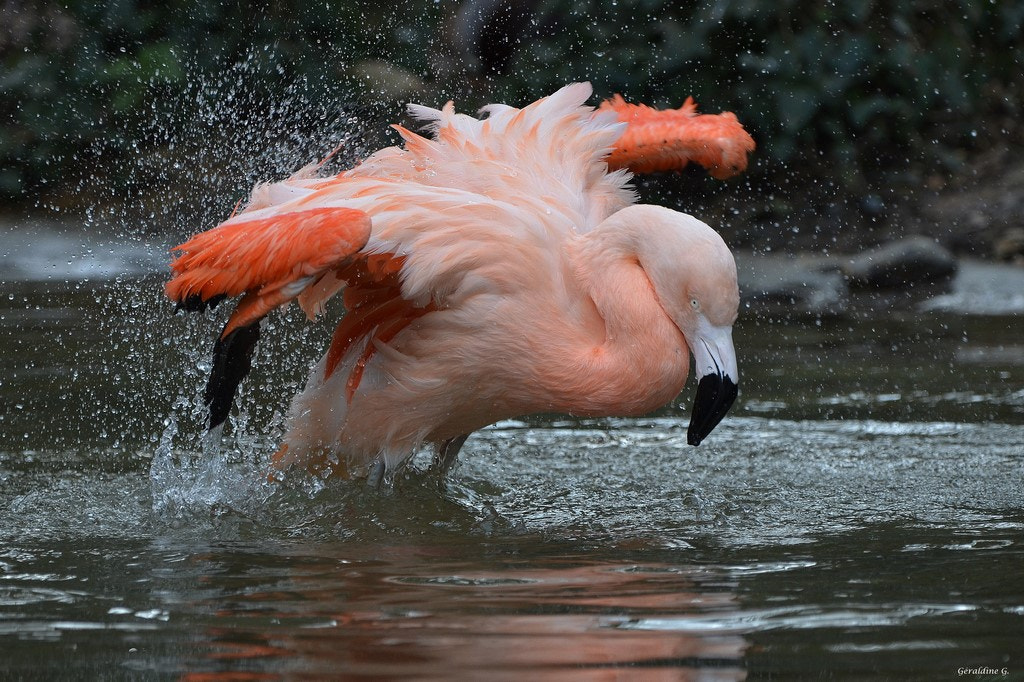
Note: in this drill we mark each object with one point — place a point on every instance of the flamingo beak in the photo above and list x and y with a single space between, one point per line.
714 360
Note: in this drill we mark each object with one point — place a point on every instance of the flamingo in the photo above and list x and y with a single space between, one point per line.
497 268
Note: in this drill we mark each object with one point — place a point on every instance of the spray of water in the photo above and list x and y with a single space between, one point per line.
200 155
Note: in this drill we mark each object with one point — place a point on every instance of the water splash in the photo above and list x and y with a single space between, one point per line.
197 489
218 481
227 135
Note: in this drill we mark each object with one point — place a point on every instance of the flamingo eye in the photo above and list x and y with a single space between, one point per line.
695 303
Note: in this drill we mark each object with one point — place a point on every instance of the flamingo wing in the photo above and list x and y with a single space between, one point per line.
414 230
397 251
267 260
659 140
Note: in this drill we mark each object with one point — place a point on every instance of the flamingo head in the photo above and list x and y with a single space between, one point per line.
694 277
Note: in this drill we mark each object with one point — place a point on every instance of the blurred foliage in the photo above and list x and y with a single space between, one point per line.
850 87
856 94
86 89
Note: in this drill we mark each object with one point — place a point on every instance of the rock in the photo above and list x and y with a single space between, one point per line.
901 264
785 286
982 288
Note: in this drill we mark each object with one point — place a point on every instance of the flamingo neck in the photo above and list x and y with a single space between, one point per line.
641 361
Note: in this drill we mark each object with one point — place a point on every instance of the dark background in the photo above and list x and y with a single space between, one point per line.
873 118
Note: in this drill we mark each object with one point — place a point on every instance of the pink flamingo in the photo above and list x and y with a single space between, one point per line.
497 269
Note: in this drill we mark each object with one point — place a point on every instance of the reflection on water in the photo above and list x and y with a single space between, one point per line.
860 513
390 615
521 619
526 606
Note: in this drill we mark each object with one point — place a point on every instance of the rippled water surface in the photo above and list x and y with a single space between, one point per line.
860 514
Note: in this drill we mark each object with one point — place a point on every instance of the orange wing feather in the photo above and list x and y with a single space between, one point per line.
286 256
376 311
271 261
661 140
261 258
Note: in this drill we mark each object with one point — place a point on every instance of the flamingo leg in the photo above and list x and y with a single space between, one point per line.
447 453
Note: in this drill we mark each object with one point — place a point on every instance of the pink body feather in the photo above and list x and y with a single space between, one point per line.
495 270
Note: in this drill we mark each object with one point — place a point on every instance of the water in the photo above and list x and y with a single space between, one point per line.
860 514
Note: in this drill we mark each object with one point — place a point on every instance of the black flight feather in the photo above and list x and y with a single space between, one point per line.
232 360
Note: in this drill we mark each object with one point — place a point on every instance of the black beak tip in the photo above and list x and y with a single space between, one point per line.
715 395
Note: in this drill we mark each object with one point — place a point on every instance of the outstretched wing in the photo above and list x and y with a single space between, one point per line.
397 250
270 260
415 229
659 140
